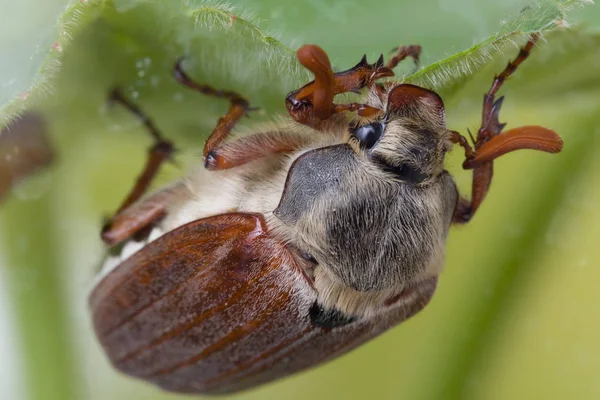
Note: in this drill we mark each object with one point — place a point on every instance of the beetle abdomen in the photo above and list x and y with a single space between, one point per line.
218 305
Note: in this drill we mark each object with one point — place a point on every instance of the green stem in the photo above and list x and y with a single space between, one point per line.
35 285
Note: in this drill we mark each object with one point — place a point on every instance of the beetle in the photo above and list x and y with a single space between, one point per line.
299 242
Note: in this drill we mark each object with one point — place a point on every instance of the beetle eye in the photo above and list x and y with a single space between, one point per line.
368 134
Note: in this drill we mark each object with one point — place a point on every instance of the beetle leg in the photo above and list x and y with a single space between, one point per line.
141 214
238 108
403 52
161 151
252 147
490 126
491 144
224 155
313 103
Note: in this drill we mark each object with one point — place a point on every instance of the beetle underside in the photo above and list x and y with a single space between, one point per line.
295 244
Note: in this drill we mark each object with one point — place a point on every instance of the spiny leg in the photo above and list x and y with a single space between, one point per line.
161 151
402 52
220 154
252 147
490 126
313 103
490 144
239 107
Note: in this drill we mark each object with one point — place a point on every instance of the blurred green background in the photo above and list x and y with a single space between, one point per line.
516 313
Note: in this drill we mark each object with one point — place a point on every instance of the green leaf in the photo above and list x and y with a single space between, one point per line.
161 34
31 44
168 31
134 44
448 75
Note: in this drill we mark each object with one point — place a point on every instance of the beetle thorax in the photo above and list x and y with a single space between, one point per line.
372 236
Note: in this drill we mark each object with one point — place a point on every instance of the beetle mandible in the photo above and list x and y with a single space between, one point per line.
298 242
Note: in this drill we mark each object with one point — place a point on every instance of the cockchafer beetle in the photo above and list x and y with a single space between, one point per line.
296 243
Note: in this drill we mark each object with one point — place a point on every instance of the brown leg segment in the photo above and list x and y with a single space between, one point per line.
249 148
221 155
238 108
142 214
159 153
402 52
490 127
313 103
491 144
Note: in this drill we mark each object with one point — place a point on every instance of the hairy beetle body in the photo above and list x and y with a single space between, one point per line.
296 243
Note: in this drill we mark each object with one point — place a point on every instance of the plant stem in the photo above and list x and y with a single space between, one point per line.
35 286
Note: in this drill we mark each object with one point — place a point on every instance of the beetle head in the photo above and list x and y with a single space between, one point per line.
409 140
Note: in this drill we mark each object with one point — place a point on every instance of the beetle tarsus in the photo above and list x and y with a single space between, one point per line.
490 128
402 52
